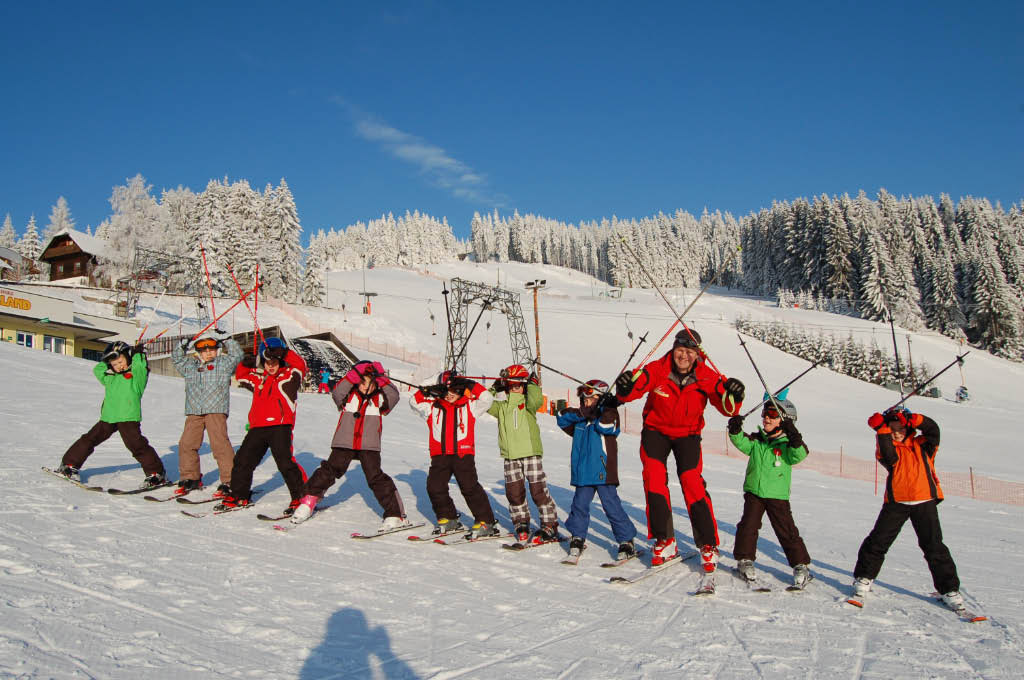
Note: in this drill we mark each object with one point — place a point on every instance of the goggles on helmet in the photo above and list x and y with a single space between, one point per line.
206 343
592 388
770 412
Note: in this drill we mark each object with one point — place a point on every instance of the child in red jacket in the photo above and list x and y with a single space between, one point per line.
275 389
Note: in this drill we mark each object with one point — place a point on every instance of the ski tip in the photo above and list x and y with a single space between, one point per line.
855 603
976 619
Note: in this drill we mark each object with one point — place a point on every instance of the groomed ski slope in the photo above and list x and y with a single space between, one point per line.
98 586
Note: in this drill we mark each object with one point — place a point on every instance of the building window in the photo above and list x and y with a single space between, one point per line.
54 344
78 266
92 355
60 269
25 338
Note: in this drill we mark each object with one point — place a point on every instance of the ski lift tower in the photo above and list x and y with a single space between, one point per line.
154 271
465 293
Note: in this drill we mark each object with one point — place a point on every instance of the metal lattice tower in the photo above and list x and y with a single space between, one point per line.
463 294
170 272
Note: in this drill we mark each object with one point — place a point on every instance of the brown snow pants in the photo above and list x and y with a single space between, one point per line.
464 468
216 427
382 486
780 514
131 435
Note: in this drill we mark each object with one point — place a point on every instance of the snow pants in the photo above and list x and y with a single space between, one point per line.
924 517
518 473
579 516
325 388
216 427
382 486
464 468
655 448
278 438
780 514
131 435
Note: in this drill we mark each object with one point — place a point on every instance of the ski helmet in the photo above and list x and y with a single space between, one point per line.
515 373
788 409
900 414
206 343
591 388
273 348
687 337
115 349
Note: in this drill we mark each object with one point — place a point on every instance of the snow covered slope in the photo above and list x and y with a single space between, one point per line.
99 586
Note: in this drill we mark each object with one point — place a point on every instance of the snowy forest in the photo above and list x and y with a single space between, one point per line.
956 269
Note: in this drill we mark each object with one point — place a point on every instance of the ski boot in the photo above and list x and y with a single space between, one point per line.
801 575
954 600
70 472
745 568
482 529
187 485
391 524
626 551
290 510
664 550
307 504
861 587
545 535
522 533
447 526
230 503
709 558
223 491
576 546
154 481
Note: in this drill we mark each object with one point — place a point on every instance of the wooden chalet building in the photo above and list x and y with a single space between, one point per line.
73 254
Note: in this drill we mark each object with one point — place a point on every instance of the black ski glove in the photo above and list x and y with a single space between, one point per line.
500 385
607 401
792 434
624 384
735 424
735 389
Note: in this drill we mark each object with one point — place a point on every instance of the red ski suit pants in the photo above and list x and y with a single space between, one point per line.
655 449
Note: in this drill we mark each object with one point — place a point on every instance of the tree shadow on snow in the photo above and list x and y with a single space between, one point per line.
351 649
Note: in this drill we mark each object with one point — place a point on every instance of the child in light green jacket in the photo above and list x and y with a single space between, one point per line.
124 374
773 450
521 449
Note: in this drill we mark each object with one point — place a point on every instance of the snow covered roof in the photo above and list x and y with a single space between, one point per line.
88 244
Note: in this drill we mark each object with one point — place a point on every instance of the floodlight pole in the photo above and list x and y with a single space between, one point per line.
536 285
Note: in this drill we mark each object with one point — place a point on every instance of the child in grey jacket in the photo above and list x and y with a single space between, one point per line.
207 393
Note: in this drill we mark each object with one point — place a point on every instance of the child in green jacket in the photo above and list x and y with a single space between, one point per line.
773 450
519 441
123 374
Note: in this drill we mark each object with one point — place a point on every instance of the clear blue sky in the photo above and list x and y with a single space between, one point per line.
575 111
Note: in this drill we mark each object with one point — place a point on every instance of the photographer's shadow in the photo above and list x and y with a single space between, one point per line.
349 649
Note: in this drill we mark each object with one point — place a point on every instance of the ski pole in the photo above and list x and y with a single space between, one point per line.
743 344
555 370
209 284
256 308
679 317
221 315
626 365
958 360
778 391
153 316
483 308
169 327
251 313
896 352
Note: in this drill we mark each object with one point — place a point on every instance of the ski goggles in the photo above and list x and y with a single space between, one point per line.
206 343
592 389
770 412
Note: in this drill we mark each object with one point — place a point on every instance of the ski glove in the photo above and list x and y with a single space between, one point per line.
792 434
736 425
533 379
499 385
353 376
876 421
735 389
624 384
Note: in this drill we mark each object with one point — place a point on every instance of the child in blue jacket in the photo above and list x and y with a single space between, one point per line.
594 461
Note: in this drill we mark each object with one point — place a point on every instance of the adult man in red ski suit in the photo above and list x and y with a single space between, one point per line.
275 390
679 386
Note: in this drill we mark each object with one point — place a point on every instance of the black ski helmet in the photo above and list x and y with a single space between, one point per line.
687 337
115 349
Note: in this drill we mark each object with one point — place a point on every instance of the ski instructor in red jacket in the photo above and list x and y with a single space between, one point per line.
679 386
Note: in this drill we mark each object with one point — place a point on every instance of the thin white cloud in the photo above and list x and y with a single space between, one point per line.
433 162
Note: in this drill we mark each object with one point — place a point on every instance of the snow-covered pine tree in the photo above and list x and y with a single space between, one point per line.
8 237
29 245
138 220
313 276
994 314
60 219
282 234
837 260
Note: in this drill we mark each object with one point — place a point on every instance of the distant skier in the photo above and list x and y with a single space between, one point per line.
912 492
679 386
773 451
207 399
594 466
123 372
364 397
274 381
451 408
325 382
521 449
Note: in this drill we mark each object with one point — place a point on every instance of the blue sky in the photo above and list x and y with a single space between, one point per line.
575 111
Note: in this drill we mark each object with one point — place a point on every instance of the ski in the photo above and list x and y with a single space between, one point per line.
274 518
651 571
211 499
857 602
132 492
198 515
965 614
531 544
573 560
71 481
466 540
439 537
707 584
752 583
404 527
799 589
618 563
173 497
